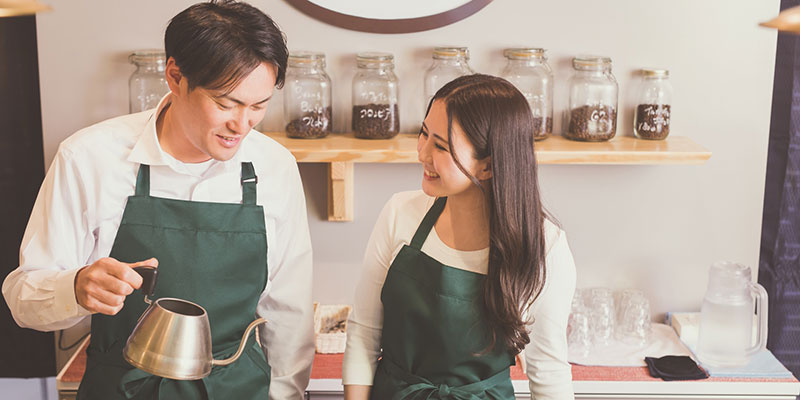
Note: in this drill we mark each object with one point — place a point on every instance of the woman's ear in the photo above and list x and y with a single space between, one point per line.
484 169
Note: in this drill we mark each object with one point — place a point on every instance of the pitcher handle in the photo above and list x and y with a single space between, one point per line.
238 353
761 299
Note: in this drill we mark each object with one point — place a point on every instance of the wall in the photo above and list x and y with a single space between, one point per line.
657 228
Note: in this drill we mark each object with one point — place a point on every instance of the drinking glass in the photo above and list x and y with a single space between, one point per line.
602 315
633 324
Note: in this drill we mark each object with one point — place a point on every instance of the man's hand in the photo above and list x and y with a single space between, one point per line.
103 286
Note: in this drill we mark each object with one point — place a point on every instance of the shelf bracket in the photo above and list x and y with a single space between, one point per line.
340 191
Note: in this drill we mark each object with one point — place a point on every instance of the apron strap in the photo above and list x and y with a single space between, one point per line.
427 223
143 181
249 181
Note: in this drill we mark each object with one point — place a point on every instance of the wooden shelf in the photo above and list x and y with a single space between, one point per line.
553 150
342 150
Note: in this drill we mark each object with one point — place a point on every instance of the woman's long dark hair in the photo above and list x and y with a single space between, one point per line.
497 120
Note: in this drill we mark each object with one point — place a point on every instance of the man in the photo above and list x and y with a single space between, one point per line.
190 188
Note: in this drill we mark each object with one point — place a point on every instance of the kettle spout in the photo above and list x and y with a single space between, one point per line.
238 353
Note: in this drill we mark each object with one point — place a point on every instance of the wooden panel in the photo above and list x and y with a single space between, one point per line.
21 174
340 191
554 150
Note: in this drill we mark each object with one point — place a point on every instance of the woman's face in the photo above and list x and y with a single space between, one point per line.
441 175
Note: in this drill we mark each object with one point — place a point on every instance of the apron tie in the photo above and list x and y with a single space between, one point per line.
136 381
418 385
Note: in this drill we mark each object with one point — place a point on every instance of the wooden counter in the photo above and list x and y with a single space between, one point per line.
588 382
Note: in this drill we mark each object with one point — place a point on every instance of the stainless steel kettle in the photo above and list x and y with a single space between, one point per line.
172 338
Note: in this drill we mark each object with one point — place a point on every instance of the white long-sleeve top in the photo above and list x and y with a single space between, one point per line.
549 373
79 209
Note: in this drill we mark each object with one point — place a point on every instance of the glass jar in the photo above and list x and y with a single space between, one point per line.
307 96
593 90
528 70
375 111
448 63
653 105
147 84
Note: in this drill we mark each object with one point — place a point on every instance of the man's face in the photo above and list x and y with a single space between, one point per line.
213 124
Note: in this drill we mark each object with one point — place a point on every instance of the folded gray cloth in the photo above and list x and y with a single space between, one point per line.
675 368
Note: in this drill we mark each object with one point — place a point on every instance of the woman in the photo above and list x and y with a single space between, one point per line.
467 273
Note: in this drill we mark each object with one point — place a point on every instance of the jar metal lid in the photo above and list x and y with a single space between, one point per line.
448 52
590 62
374 56
655 73
306 57
148 56
525 53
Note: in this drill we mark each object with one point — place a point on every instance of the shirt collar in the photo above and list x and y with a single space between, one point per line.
148 150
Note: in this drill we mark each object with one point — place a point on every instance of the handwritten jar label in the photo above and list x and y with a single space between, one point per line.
652 121
592 123
376 121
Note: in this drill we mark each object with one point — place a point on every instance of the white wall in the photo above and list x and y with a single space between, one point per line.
653 227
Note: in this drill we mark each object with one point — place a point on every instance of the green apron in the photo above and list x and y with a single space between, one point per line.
434 328
212 254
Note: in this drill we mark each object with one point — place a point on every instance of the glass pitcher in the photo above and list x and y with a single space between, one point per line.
726 318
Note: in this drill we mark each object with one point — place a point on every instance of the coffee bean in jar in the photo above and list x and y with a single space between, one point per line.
652 121
310 125
376 121
653 105
593 99
592 123
542 127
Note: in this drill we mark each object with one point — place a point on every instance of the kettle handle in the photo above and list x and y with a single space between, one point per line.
760 295
149 277
238 353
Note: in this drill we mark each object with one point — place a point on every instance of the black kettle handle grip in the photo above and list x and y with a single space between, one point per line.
149 278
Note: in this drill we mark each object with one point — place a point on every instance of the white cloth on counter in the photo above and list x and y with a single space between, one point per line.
761 365
663 341
549 373
79 209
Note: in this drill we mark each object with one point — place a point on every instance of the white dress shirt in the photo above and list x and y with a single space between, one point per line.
79 209
549 373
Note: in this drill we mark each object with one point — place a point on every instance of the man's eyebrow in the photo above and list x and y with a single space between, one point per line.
239 102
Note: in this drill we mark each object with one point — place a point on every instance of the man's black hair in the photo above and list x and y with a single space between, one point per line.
218 43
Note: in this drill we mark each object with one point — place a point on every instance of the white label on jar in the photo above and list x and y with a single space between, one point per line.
374 97
378 113
302 94
305 106
315 122
598 115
